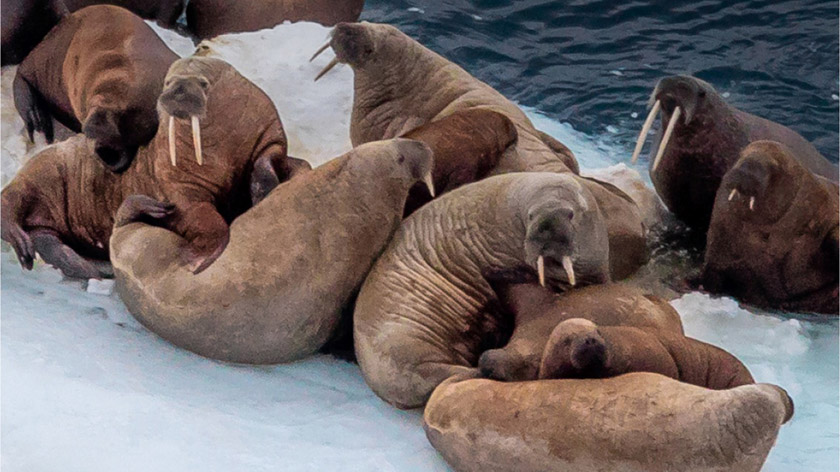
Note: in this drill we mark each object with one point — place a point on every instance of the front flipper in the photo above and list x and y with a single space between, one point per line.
32 109
63 257
206 232
270 171
140 208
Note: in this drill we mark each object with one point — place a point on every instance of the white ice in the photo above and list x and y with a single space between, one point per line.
86 388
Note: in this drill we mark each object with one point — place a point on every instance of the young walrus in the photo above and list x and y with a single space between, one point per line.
62 203
773 239
537 311
579 348
100 72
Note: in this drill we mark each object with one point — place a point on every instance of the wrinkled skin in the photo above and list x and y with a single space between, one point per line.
294 260
165 12
401 85
426 311
24 25
209 18
782 254
537 311
67 193
706 142
639 422
99 71
580 349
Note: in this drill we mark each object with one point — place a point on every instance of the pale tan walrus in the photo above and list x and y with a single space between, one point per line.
639 422
277 291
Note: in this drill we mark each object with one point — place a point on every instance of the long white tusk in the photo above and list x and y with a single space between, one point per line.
570 270
172 140
430 183
640 143
541 270
733 193
667 137
752 203
326 69
319 51
196 131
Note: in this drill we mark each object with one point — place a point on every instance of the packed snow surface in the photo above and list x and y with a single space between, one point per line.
86 388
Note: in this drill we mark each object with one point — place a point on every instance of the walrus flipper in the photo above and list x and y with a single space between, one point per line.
206 231
32 108
140 208
271 171
62 257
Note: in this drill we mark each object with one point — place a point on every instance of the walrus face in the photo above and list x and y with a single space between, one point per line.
116 150
355 44
575 349
749 184
185 97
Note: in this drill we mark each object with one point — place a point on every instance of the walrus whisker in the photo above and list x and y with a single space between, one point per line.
640 142
319 51
733 193
172 141
541 270
667 137
327 69
196 133
752 203
570 270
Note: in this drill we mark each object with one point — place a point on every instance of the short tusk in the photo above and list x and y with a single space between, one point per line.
541 270
733 193
196 132
319 51
430 183
752 203
640 143
326 69
570 270
667 137
172 140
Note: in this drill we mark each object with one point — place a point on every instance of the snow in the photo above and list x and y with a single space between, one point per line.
86 388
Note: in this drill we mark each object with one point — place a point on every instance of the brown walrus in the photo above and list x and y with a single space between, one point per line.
62 203
100 72
209 18
24 25
537 311
702 143
773 238
293 263
639 422
580 349
165 12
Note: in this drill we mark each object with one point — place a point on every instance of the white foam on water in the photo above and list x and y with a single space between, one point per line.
86 388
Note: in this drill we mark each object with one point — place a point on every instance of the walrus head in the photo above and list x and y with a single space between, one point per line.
575 349
357 44
676 97
118 134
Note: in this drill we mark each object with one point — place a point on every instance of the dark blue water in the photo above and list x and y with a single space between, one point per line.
593 63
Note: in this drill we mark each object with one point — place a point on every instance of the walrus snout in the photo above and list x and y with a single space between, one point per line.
574 349
418 157
750 178
351 44
184 97
549 241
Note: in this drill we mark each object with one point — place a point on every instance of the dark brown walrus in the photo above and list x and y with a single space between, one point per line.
580 349
62 203
24 25
537 311
209 18
100 72
773 239
703 142
165 12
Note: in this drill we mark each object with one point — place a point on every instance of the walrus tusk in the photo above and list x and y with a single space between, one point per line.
541 270
640 143
732 194
172 140
196 132
752 203
319 51
570 270
430 183
326 69
667 137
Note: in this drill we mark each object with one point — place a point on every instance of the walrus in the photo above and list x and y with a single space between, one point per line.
293 263
99 71
400 85
62 203
638 422
24 25
579 348
536 312
703 137
425 311
210 18
165 12
773 237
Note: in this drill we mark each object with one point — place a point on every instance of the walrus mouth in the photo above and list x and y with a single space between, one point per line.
196 135
566 262
734 193
663 145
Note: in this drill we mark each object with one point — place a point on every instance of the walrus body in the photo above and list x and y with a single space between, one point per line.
537 311
579 348
165 12
65 193
210 18
426 311
294 260
24 25
707 138
773 238
99 71
640 422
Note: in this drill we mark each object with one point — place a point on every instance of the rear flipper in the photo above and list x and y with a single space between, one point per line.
32 109
270 171
63 257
